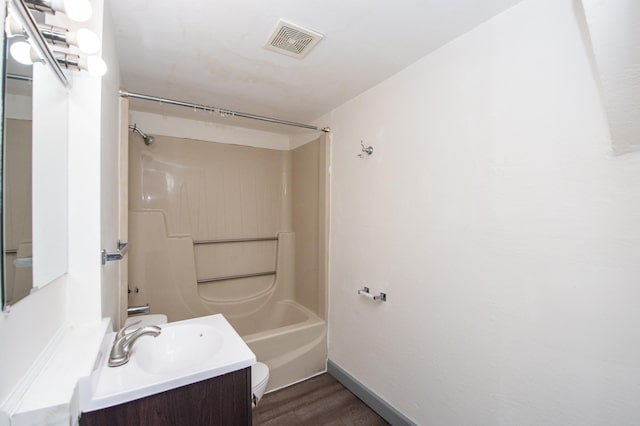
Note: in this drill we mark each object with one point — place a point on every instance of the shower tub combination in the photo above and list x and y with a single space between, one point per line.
290 339
191 195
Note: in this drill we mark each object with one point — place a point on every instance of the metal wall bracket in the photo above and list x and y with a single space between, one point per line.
109 257
134 310
366 150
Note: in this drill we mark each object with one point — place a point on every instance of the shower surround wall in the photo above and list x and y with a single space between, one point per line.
310 219
184 190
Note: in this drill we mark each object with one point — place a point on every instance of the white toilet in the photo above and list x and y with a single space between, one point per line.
259 380
259 371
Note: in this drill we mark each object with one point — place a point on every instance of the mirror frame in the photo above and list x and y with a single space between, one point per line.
3 38
21 12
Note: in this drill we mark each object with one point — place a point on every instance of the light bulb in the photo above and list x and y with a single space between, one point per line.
12 28
76 10
22 52
86 40
96 66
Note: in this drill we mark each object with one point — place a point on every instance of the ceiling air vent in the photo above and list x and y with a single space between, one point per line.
292 40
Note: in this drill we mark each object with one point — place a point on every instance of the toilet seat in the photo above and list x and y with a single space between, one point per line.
259 379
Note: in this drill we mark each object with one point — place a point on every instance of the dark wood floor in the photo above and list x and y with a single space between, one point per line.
318 401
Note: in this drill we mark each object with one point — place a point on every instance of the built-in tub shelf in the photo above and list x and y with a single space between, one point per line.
235 240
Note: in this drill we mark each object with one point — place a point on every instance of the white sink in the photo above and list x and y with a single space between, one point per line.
185 352
179 347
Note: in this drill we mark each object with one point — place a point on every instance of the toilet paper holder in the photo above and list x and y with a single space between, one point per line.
367 293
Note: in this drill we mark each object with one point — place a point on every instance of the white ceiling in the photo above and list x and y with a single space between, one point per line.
211 51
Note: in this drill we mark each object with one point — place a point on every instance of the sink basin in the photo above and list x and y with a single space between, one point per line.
185 352
178 347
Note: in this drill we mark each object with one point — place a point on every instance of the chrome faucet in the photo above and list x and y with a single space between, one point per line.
121 349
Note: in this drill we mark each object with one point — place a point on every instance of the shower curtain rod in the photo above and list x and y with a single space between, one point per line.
126 94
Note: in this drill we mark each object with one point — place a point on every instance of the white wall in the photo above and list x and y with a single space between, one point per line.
84 272
109 172
500 225
49 184
76 298
615 37
29 326
25 333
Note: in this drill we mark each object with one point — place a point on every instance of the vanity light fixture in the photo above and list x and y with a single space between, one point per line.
21 13
44 34
94 65
76 10
86 40
20 48
23 52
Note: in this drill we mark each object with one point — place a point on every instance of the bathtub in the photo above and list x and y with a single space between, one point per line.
287 337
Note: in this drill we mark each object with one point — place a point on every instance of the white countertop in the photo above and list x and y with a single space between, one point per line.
109 386
48 398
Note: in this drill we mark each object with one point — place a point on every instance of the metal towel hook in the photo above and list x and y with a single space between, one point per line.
365 150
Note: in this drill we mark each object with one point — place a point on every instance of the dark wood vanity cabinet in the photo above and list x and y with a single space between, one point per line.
223 400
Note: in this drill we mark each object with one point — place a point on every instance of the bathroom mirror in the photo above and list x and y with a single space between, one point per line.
16 189
34 183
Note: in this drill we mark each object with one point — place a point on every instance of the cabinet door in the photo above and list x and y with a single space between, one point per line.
223 400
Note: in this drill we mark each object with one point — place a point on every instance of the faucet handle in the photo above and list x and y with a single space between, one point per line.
123 330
